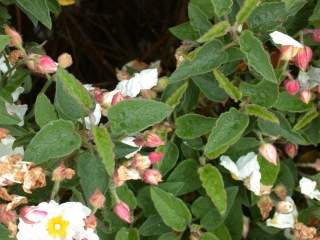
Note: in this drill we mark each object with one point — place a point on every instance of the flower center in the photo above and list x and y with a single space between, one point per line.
57 227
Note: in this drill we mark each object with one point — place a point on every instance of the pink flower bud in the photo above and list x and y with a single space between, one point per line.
118 97
97 199
122 210
316 35
16 39
61 173
65 60
98 95
291 150
269 152
303 58
288 52
306 96
152 140
32 215
41 64
91 221
155 157
152 176
292 86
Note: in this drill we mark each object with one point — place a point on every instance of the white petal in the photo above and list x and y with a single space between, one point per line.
282 221
308 188
89 87
247 164
254 183
285 40
94 118
6 147
129 88
18 110
148 78
130 141
3 65
88 234
15 95
107 98
226 162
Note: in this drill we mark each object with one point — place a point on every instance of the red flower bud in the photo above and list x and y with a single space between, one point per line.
118 97
41 64
306 96
155 157
122 210
153 140
269 152
316 35
16 39
97 199
291 150
292 86
303 58
152 176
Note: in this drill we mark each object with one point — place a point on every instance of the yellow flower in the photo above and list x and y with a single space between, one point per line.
57 227
66 2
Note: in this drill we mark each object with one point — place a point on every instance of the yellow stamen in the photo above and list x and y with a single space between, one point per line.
57 227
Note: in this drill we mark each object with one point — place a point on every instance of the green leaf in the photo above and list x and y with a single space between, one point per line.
184 31
315 17
261 112
71 99
198 19
57 139
289 103
217 30
170 158
127 196
222 7
269 172
193 125
44 111
205 6
132 116
185 173
264 93
127 234
306 119
175 99
105 148
211 55
246 10
5 117
172 210
209 236
168 236
4 41
256 56
4 233
212 182
38 9
92 174
153 226
228 129
229 88
208 85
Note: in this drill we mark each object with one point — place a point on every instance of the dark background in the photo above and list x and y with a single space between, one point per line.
102 35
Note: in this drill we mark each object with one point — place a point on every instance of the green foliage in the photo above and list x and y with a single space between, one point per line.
44 111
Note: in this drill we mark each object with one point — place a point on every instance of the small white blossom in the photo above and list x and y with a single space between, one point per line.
308 188
94 117
130 141
246 169
284 40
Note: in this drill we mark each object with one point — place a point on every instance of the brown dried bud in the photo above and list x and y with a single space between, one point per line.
34 178
15 56
281 191
65 60
61 173
302 232
265 204
3 133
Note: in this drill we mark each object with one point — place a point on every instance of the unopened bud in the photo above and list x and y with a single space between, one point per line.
288 52
316 35
292 86
97 199
291 150
91 221
41 64
65 60
61 173
118 97
306 96
269 152
152 176
303 58
281 191
122 210
16 39
265 204
152 140
3 133
155 157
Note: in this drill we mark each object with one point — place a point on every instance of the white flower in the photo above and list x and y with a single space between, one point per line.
308 188
15 95
247 169
284 40
146 79
130 141
51 221
17 110
88 234
94 117
286 218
